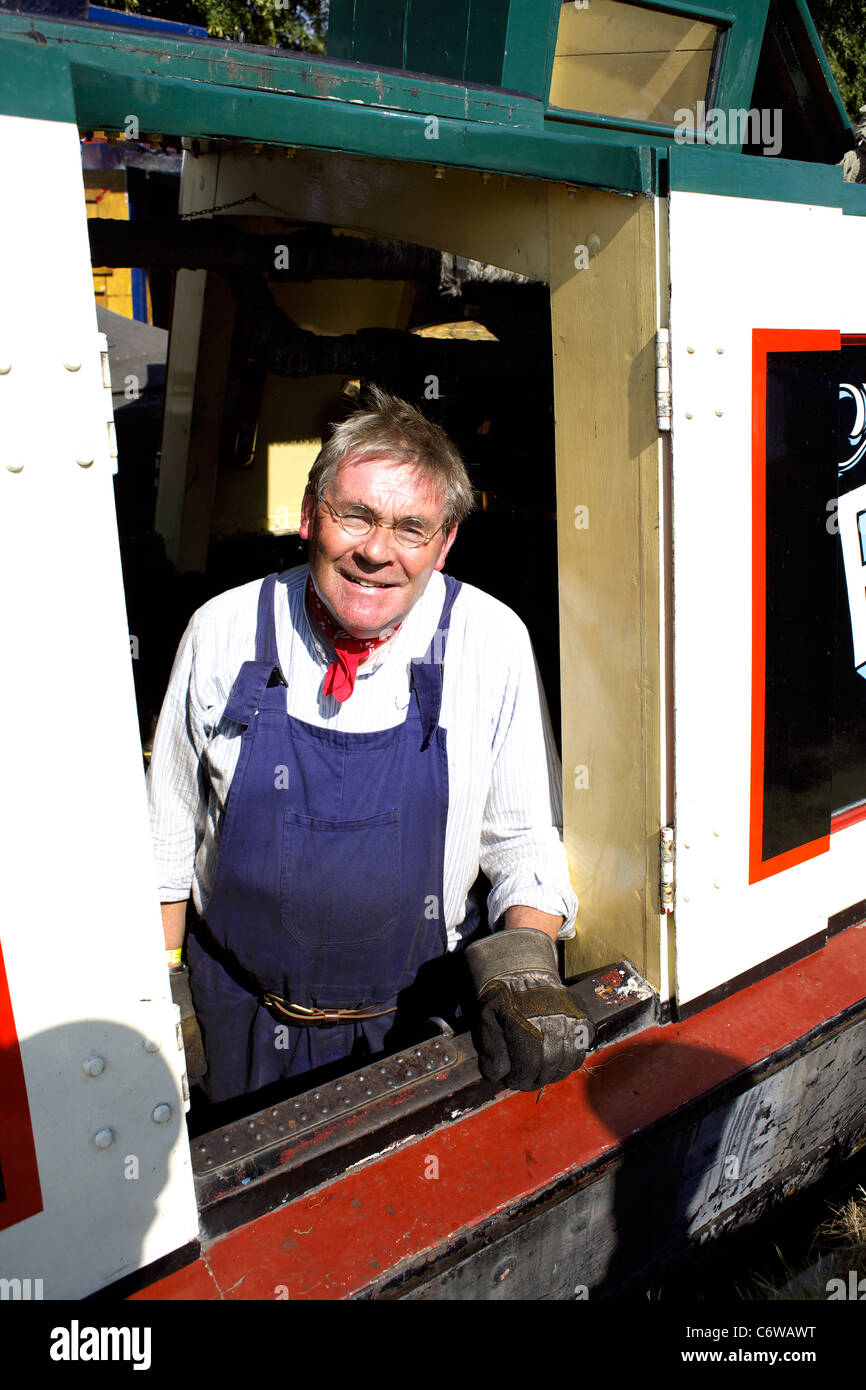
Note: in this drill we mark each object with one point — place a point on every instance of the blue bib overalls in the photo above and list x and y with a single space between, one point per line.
329 881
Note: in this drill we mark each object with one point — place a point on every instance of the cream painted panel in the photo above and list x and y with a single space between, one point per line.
603 289
79 915
489 217
737 264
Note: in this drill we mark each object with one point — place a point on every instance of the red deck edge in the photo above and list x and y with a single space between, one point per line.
333 1242
766 340
17 1149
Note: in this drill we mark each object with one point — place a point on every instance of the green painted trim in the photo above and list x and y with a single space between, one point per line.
688 7
740 54
815 41
702 169
854 199
530 35
35 83
210 63
167 105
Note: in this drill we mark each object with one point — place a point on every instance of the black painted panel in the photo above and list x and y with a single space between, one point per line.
802 429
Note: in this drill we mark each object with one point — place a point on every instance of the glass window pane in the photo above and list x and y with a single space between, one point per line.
618 59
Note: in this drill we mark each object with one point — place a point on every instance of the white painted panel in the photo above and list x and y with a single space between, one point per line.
737 264
79 914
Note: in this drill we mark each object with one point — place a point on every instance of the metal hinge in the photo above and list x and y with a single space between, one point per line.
107 398
666 869
663 378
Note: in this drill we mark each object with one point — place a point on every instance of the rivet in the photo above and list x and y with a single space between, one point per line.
5 368
689 349
304 1118
688 415
720 350
14 466
161 1114
72 363
94 1065
717 832
410 1071
103 1138
150 1044
716 883
720 413
84 460
439 171
687 844
339 1086
685 900
347 1100
485 177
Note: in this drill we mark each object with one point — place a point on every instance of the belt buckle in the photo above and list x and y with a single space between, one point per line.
311 1018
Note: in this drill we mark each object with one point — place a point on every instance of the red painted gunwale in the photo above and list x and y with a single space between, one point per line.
333 1242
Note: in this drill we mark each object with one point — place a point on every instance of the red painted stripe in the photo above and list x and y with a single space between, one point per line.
334 1241
841 819
17 1149
766 340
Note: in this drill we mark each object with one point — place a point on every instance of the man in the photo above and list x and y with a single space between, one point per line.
327 782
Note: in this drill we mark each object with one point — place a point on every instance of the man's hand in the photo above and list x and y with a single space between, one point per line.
531 1031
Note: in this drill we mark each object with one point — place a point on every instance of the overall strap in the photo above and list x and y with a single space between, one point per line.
426 670
255 676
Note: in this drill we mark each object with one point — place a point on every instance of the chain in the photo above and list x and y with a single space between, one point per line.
236 203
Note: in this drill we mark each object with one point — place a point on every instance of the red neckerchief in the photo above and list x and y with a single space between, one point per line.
351 651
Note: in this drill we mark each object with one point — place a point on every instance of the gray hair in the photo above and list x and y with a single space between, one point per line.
389 428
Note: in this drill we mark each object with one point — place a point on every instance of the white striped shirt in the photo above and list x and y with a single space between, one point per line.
505 798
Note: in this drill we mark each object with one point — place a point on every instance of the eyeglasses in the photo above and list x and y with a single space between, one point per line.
359 521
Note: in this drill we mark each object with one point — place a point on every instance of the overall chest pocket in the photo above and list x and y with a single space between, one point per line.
340 880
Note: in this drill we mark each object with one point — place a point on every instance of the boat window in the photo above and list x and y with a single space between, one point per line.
618 59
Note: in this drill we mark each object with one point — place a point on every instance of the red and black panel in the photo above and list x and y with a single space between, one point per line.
795 427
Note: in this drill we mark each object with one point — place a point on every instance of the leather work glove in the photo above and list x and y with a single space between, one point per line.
196 1065
532 1033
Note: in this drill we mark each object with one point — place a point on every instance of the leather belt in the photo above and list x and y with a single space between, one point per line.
319 1018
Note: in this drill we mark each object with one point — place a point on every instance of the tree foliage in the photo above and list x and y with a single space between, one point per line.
287 24
842 29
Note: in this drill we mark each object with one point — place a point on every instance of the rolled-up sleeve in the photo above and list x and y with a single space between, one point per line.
522 852
177 796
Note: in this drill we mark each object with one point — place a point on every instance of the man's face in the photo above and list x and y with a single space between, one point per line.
343 566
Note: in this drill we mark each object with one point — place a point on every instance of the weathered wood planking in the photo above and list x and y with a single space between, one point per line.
717 1164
